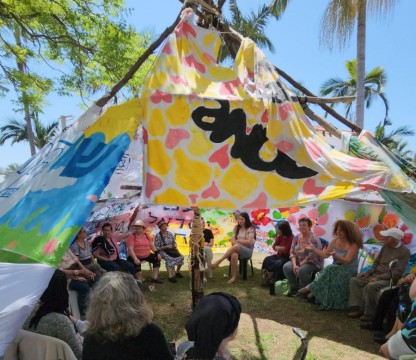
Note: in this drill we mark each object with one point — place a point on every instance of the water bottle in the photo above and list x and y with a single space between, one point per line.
123 250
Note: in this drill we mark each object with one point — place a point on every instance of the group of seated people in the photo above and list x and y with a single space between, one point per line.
299 259
127 331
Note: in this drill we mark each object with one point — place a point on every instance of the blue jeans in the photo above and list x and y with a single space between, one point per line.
120 265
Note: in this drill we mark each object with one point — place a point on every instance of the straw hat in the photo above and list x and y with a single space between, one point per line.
139 223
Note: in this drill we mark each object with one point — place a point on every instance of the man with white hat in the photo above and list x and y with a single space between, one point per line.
141 248
389 264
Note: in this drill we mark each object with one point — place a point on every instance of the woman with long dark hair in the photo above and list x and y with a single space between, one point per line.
242 244
272 267
52 317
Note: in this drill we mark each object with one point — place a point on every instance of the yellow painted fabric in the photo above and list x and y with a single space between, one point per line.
233 138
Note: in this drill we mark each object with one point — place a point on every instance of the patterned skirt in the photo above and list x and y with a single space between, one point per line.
331 286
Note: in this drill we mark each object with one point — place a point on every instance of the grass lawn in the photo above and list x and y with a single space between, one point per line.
265 330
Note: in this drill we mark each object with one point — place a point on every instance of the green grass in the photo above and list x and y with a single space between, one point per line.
265 330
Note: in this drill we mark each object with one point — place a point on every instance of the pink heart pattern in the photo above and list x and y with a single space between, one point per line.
212 191
221 157
159 96
192 62
175 136
153 183
285 146
259 203
310 188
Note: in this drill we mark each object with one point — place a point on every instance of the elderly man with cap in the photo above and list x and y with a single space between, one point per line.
166 245
389 265
141 248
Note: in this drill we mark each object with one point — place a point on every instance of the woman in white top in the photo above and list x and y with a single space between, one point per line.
242 243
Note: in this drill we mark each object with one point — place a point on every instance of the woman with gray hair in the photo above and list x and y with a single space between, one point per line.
120 323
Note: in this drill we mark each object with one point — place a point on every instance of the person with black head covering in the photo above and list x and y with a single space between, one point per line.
211 326
52 318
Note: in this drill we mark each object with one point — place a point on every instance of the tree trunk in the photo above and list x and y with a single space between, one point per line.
21 66
361 28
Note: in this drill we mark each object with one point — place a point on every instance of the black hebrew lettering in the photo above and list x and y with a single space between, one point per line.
246 147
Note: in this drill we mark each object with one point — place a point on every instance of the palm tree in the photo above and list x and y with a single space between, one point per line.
16 131
253 26
394 140
10 169
374 83
338 23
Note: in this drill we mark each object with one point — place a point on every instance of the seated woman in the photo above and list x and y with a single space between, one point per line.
304 263
211 326
107 252
166 245
82 250
242 244
140 249
81 278
273 264
52 318
403 342
330 289
120 323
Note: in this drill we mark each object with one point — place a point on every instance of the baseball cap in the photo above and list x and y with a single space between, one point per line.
393 232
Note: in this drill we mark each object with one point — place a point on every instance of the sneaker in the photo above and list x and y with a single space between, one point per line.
156 281
179 275
172 280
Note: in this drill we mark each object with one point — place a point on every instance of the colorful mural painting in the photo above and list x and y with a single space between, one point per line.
370 218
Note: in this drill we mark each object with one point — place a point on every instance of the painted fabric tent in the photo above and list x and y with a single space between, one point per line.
214 137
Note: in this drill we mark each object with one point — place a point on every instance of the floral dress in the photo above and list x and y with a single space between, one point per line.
331 285
169 239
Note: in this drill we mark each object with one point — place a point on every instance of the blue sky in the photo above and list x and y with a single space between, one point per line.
390 44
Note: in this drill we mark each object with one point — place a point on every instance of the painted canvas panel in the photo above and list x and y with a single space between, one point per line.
233 138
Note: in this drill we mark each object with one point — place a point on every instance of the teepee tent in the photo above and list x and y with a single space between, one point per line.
214 137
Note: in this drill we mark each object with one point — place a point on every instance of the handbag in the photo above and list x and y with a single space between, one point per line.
173 253
170 252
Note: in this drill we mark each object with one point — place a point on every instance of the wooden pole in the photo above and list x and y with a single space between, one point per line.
196 249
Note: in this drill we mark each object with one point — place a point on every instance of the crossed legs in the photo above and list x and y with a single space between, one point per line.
232 253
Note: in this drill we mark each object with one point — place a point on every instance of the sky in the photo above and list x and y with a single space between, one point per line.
390 44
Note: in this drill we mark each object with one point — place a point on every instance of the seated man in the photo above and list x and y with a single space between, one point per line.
364 287
386 309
